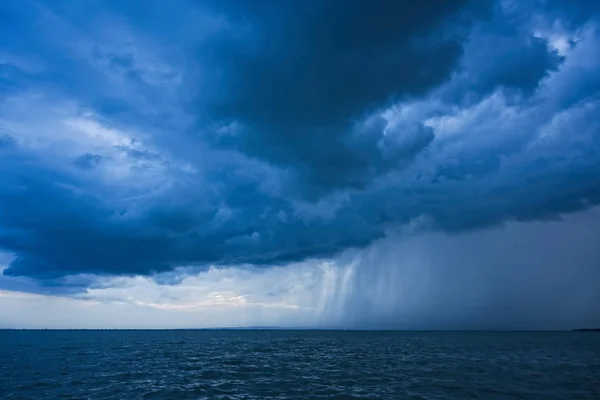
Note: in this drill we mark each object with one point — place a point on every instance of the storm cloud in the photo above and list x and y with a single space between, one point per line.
280 131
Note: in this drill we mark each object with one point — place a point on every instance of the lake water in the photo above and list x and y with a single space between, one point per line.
298 365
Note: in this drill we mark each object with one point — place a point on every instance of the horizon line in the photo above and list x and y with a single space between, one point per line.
284 328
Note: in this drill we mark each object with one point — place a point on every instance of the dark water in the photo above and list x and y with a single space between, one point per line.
298 365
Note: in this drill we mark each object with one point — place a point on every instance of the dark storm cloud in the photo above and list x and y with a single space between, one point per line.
506 56
325 63
290 156
74 231
70 232
296 77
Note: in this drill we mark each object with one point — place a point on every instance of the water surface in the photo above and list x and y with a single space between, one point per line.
298 365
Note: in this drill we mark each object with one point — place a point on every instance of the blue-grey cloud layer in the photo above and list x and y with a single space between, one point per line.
294 130
299 76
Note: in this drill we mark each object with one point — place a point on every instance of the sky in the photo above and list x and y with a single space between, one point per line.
326 163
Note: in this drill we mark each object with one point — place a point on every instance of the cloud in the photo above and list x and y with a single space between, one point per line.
341 60
257 147
507 52
540 275
295 80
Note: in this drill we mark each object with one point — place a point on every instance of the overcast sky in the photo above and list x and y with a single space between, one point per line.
325 163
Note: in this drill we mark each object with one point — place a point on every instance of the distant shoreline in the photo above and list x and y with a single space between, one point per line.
586 330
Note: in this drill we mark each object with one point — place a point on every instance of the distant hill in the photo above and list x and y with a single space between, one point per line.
587 330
